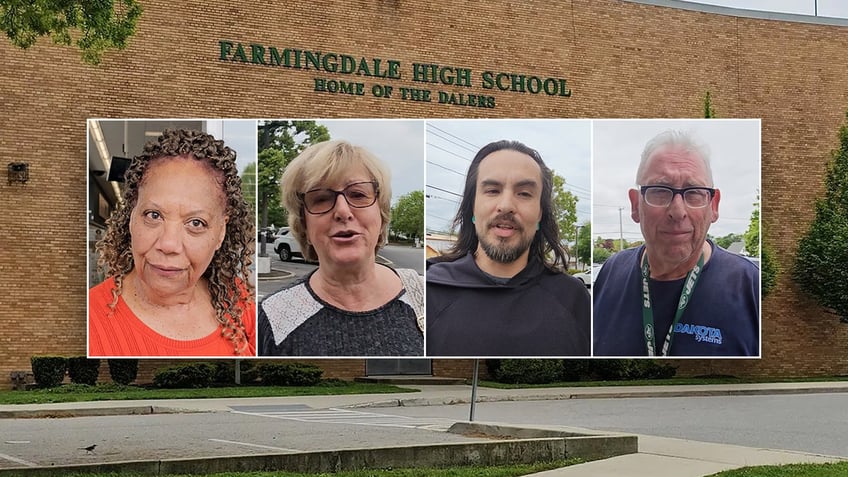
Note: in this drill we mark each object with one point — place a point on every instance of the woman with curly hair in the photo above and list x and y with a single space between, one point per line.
177 253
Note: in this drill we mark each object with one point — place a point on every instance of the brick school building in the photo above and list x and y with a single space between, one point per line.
386 58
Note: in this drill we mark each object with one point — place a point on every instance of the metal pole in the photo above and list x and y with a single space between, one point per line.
238 371
474 389
620 230
576 247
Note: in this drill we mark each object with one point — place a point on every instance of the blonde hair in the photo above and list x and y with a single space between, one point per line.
327 162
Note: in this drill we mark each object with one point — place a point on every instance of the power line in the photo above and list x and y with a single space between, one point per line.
474 146
448 151
444 190
447 168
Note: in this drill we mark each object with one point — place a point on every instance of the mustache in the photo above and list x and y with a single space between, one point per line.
507 218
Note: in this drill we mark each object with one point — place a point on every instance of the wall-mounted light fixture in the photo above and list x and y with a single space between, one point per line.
18 172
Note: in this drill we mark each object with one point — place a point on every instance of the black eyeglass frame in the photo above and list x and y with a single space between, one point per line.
711 190
302 196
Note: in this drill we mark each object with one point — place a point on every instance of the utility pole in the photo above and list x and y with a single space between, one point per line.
620 230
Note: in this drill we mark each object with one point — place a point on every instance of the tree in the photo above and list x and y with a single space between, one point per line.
584 243
600 255
752 235
727 240
821 266
248 185
408 215
709 112
279 143
565 208
97 25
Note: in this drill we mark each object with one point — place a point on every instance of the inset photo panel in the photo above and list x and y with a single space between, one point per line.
171 238
342 212
508 227
676 237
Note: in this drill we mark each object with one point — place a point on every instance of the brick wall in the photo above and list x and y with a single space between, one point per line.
621 59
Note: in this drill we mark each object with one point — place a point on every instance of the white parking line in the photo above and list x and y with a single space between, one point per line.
18 461
255 445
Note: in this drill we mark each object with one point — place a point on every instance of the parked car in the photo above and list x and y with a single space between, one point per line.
588 276
286 246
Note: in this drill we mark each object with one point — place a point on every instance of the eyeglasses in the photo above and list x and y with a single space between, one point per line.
357 195
662 196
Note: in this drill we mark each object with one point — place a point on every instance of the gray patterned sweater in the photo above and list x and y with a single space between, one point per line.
296 322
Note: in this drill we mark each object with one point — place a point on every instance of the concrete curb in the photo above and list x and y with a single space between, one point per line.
287 275
499 452
446 401
90 412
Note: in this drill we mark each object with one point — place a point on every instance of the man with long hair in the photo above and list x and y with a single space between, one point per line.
500 290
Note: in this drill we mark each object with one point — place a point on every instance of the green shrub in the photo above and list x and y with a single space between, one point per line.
623 369
49 371
188 375
576 369
290 374
492 366
225 372
82 370
123 371
529 371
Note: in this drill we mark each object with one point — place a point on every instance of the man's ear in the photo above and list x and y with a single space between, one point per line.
714 204
634 204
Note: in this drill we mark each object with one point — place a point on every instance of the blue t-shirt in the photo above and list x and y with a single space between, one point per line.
721 319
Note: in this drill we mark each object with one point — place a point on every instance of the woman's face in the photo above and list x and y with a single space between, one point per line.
345 235
177 225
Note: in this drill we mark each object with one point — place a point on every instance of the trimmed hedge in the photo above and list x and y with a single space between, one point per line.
225 372
189 375
529 371
123 371
542 371
49 371
82 370
290 374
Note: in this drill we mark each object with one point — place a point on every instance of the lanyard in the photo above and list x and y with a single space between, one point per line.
648 312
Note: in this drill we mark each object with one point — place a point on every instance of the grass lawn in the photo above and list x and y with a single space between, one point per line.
792 470
501 471
661 382
114 392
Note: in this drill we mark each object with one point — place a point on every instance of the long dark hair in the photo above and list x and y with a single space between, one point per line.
546 246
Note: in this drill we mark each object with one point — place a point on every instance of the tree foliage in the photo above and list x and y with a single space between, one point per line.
408 215
565 208
248 185
584 243
709 112
600 255
752 235
726 241
821 266
279 143
93 25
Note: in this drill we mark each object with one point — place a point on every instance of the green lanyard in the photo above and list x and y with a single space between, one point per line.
648 312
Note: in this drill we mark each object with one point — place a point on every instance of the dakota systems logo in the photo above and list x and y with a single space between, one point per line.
703 334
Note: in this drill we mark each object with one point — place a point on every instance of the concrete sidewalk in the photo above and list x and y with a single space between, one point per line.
657 456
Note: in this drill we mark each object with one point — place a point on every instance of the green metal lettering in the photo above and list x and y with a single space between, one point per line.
257 54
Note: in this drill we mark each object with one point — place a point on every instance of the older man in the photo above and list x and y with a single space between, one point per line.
679 294
500 290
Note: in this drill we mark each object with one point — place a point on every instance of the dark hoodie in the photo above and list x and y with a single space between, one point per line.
538 312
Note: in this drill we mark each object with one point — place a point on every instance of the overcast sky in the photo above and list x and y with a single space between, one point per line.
564 144
397 142
734 146
239 135
824 8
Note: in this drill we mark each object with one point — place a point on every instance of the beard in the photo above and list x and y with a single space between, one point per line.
499 249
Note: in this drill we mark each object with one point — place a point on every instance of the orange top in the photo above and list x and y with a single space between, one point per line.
122 334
